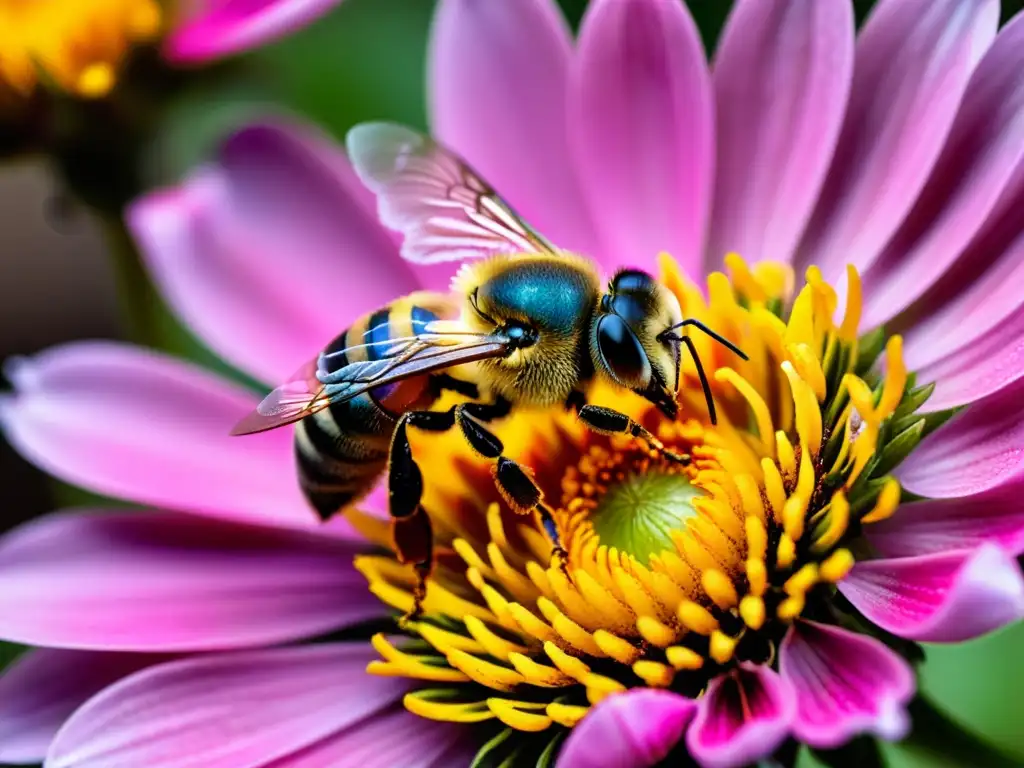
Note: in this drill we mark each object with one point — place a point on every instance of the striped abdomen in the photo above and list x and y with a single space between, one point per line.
343 449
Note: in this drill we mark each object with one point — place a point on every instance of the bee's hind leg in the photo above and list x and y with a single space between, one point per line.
610 422
411 528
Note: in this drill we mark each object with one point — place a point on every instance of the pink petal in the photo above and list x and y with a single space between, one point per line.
41 689
846 684
637 729
977 450
391 738
972 343
133 424
782 76
994 360
641 123
225 27
913 61
971 181
498 80
942 598
159 581
271 253
744 715
233 710
942 525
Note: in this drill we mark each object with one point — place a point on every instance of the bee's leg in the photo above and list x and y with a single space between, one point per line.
513 482
611 422
411 529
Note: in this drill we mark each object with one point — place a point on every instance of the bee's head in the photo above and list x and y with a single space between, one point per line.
628 339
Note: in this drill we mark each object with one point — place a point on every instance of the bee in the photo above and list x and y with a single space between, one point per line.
525 325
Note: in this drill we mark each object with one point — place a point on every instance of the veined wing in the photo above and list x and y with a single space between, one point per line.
444 209
299 397
305 393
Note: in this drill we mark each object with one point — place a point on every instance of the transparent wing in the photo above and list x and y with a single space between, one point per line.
299 397
444 209
305 394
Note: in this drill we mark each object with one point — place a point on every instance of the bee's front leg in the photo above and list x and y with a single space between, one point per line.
610 422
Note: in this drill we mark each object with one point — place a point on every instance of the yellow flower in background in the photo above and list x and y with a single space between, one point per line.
80 45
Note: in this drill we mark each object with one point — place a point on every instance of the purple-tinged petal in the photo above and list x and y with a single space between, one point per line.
994 360
968 312
232 710
913 61
225 27
41 689
972 181
499 76
845 684
782 77
129 423
160 581
977 450
943 598
637 728
272 252
641 124
943 525
743 716
393 737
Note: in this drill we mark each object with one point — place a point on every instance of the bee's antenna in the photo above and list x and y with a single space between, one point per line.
703 378
667 333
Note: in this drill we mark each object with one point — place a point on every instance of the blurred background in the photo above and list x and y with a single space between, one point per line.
60 280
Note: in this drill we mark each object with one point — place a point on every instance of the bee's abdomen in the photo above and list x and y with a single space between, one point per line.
342 450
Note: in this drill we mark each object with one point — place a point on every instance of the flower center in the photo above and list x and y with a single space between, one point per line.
627 499
670 574
79 44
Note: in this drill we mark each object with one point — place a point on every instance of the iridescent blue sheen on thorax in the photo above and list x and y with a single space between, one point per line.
554 297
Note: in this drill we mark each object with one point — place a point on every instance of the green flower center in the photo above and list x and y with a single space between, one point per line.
638 514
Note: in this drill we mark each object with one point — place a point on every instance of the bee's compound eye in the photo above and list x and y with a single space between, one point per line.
622 353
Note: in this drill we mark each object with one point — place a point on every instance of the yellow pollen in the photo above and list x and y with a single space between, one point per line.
670 573
77 44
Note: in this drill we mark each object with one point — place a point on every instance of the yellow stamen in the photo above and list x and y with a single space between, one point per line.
854 303
835 568
511 715
654 674
757 576
837 518
752 611
802 580
697 619
786 552
886 504
722 646
684 658
719 588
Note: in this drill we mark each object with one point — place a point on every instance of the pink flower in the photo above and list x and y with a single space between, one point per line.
901 153
216 28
